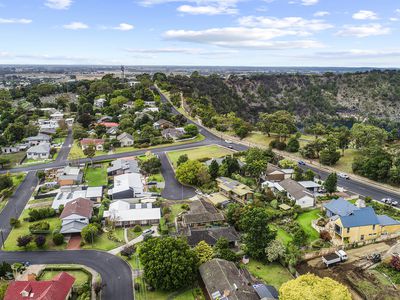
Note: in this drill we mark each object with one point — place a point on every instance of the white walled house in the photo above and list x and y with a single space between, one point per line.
296 192
41 151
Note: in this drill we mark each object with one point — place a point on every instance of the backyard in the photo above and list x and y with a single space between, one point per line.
212 151
273 273
304 219
96 175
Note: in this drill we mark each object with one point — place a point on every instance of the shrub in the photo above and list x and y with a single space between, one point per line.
325 235
395 263
24 240
39 227
128 251
58 239
137 228
276 144
317 244
185 206
41 213
15 222
166 210
40 240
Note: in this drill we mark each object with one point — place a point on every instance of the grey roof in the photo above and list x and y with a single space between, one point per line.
73 227
266 291
221 276
211 235
385 220
294 188
41 148
112 130
126 165
220 160
38 138
202 211
125 135
361 217
340 207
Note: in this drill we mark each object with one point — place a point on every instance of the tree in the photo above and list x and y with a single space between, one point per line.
4 269
40 240
229 166
204 252
311 287
4 161
192 172
89 233
280 122
222 251
168 263
275 250
58 238
365 135
330 183
329 156
287 164
309 175
191 130
343 137
24 240
293 145
234 213
257 161
41 175
14 133
128 251
182 159
243 131
98 287
318 129
254 223
151 165
15 222
90 152
300 237
213 169
5 182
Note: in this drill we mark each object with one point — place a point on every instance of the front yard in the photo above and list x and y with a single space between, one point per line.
106 241
204 152
80 276
273 273
96 175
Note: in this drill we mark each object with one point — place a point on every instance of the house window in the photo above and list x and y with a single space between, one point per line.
348 230
373 227
362 237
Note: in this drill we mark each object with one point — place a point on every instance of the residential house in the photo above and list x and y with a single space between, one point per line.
57 116
125 139
276 174
109 124
104 119
223 280
201 214
310 186
296 192
150 103
128 105
97 143
38 139
122 213
9 149
352 224
69 121
59 288
99 102
173 133
71 193
151 109
76 215
123 166
234 190
43 123
48 131
220 160
163 124
212 235
112 132
69 176
127 186
41 151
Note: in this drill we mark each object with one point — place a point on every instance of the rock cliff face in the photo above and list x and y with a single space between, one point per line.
375 93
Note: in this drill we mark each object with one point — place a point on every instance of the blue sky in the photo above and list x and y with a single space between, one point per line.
201 32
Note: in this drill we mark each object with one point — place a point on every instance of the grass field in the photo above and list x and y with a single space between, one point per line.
14 158
80 277
102 242
273 274
96 175
281 234
212 151
11 242
345 162
304 219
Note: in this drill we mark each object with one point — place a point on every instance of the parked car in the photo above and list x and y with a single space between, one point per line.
230 147
343 175
334 258
228 141
387 200
301 163
394 203
148 232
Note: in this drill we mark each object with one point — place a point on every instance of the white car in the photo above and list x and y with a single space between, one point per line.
343 175
228 141
148 232
387 200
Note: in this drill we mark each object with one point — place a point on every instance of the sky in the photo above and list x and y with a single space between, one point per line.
342 33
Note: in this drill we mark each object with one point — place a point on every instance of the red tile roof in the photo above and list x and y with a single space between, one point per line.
56 289
92 141
109 124
81 206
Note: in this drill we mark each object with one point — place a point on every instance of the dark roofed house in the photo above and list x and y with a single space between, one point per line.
59 288
76 215
123 166
223 280
163 124
173 133
296 192
125 139
202 213
212 235
266 292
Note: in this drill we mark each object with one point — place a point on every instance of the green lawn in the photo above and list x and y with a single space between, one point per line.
304 219
11 242
273 274
133 262
80 276
102 242
59 140
156 177
282 235
96 175
345 162
144 294
212 151
133 235
14 158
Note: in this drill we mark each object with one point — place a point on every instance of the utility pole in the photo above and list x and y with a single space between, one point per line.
123 73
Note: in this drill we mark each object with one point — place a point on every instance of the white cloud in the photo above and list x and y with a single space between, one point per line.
242 37
190 51
225 3
207 10
364 30
124 27
309 2
58 4
76 26
359 53
365 15
15 21
322 14
293 23
394 19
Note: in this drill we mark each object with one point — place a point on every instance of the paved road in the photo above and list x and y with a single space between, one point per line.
65 148
116 273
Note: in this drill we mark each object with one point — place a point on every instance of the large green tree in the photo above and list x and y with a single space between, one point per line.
168 263
365 135
280 122
330 183
193 172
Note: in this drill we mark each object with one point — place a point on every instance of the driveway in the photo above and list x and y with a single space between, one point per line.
173 189
65 148
115 272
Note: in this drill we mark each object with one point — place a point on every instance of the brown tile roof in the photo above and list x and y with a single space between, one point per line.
81 206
